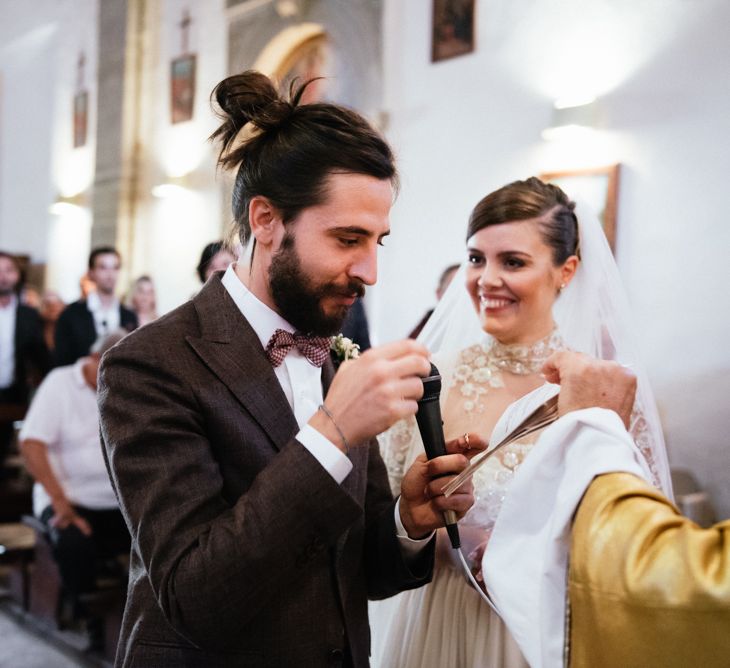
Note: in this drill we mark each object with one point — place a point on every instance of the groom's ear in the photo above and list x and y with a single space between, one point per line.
265 220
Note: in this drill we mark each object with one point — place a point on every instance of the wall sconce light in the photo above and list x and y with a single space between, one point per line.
66 205
288 9
175 186
167 190
572 117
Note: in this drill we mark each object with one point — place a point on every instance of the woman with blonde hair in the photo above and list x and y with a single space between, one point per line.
142 299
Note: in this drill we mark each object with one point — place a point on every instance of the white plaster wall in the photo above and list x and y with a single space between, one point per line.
466 126
171 232
39 46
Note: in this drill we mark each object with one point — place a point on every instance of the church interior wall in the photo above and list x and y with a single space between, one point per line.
460 128
465 126
174 224
40 44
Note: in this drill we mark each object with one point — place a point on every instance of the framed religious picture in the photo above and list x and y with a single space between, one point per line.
453 29
182 79
598 187
81 117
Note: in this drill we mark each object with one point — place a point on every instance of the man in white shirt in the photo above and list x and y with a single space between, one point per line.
247 470
72 494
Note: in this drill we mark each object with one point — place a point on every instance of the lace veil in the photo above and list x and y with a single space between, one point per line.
592 315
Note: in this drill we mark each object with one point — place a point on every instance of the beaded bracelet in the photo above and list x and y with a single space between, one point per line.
326 411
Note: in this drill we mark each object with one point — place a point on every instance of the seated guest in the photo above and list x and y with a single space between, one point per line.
72 494
215 257
143 300
82 322
52 306
30 296
23 355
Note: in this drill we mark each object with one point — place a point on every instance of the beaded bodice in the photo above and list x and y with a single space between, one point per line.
480 368
479 383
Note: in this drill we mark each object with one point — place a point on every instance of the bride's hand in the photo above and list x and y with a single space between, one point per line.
469 445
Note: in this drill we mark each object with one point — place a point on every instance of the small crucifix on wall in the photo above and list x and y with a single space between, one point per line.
182 76
81 105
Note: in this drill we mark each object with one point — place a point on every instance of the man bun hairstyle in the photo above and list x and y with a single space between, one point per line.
285 151
532 199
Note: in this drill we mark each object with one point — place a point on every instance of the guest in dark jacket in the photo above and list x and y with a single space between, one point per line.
445 279
23 354
82 322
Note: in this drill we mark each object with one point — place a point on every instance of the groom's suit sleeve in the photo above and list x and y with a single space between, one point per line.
648 587
213 565
389 568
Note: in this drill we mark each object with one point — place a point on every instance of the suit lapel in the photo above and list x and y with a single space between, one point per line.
229 347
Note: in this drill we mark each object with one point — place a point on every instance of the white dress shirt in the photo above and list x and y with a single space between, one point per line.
302 385
300 380
106 319
8 315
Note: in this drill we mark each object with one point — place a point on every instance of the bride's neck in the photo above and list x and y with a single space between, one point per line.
529 338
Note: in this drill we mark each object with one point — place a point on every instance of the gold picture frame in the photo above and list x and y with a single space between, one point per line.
182 88
598 187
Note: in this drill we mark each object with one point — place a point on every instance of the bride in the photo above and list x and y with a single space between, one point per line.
538 282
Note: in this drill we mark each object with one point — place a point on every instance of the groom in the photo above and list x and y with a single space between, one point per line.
247 470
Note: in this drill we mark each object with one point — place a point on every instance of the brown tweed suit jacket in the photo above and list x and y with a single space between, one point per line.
245 552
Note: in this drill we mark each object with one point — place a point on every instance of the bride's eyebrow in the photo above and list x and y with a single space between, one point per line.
513 252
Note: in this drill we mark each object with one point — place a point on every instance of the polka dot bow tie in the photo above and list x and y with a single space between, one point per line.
315 348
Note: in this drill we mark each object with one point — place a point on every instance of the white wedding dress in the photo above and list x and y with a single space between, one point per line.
446 623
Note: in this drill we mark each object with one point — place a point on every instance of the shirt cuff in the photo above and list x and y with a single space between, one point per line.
332 459
409 546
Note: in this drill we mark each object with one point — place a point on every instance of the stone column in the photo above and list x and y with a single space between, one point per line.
123 33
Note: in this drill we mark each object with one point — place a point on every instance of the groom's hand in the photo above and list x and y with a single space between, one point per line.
371 393
586 382
422 501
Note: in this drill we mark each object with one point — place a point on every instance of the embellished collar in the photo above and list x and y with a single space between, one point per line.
523 359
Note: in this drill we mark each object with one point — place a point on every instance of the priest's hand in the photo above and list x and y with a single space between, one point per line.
586 382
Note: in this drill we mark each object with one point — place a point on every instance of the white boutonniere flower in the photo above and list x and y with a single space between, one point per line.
344 348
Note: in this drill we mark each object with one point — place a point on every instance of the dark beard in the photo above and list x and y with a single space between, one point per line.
299 299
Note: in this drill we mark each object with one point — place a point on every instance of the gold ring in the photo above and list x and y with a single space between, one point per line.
466 441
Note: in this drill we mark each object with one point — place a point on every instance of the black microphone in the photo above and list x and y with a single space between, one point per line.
431 427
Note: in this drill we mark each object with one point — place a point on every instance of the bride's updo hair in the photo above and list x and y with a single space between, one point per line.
532 200
287 149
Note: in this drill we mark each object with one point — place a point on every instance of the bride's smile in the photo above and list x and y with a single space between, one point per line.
514 281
